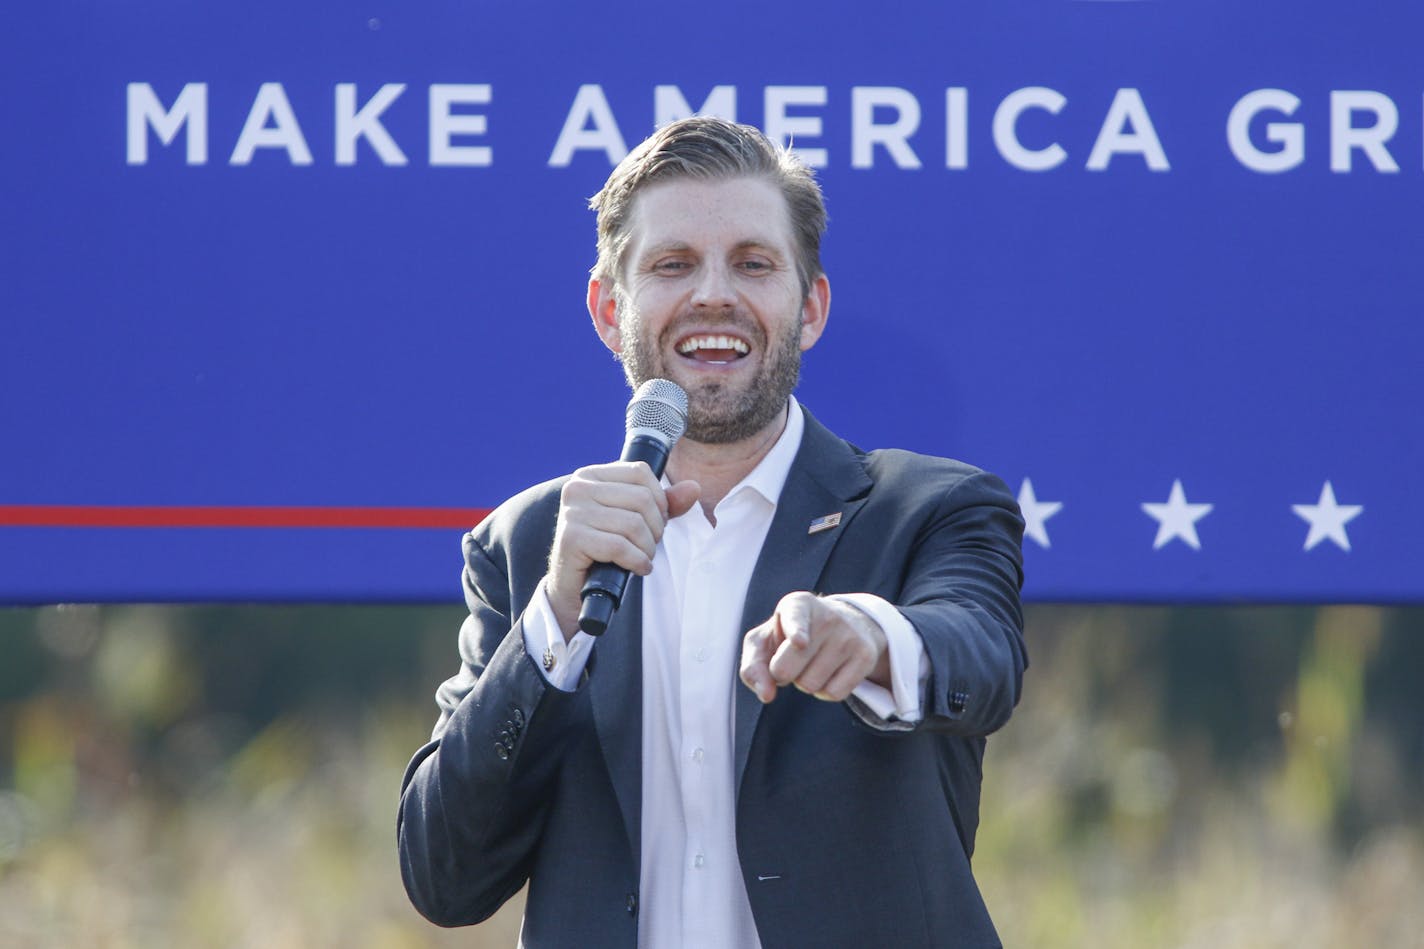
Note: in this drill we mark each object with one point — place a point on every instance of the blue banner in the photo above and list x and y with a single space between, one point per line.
293 291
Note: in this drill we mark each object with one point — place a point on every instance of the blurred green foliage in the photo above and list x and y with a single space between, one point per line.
227 776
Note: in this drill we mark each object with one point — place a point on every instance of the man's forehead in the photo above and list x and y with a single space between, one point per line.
685 210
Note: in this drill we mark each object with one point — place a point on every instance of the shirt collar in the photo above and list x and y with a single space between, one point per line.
769 476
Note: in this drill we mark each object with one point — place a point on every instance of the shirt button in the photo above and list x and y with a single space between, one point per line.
697 755
701 655
698 861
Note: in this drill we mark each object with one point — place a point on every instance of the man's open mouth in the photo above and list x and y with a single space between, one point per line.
713 348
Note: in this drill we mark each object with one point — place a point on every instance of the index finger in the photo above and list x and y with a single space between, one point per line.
629 472
757 647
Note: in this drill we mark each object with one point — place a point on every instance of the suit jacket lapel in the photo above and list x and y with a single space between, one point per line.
827 477
616 694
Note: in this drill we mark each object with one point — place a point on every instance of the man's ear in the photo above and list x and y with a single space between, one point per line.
815 310
603 308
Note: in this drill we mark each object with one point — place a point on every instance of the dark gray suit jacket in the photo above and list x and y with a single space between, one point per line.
847 835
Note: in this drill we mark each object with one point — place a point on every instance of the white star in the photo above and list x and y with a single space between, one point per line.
1327 519
1036 512
1177 518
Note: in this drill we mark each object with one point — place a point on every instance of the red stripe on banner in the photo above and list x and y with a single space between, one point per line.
74 515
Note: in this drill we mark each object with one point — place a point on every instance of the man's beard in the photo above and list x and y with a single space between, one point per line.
716 413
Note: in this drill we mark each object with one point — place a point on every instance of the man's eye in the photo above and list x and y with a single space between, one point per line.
755 266
670 266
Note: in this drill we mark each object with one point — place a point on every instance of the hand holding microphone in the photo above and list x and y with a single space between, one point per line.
611 516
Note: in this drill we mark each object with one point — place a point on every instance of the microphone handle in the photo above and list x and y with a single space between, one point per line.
603 588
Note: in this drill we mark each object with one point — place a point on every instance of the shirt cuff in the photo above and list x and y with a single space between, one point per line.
562 663
909 666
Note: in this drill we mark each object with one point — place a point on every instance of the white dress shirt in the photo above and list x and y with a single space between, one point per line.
691 889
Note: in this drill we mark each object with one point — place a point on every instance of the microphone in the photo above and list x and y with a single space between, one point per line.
657 417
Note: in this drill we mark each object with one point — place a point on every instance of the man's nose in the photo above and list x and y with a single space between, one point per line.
714 287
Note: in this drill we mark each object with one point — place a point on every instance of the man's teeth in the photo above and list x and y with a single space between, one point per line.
713 342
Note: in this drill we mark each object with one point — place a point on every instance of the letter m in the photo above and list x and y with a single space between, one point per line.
145 112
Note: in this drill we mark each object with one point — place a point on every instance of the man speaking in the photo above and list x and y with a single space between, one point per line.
777 741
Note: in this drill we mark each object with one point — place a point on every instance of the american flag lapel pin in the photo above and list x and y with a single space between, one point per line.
824 523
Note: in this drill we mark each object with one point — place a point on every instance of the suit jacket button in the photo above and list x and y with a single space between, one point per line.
517 714
501 750
632 904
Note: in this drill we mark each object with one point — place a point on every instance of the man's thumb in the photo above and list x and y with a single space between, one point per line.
681 497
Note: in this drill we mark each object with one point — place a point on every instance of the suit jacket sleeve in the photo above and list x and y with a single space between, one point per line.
475 798
961 593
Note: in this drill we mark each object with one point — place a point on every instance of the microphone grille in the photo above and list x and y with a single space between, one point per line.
660 405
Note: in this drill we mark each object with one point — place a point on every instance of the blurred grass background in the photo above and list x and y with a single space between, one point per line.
1175 777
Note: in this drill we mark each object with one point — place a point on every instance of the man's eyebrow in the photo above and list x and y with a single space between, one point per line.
663 248
757 243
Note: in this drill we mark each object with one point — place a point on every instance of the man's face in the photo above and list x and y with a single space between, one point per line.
711 299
